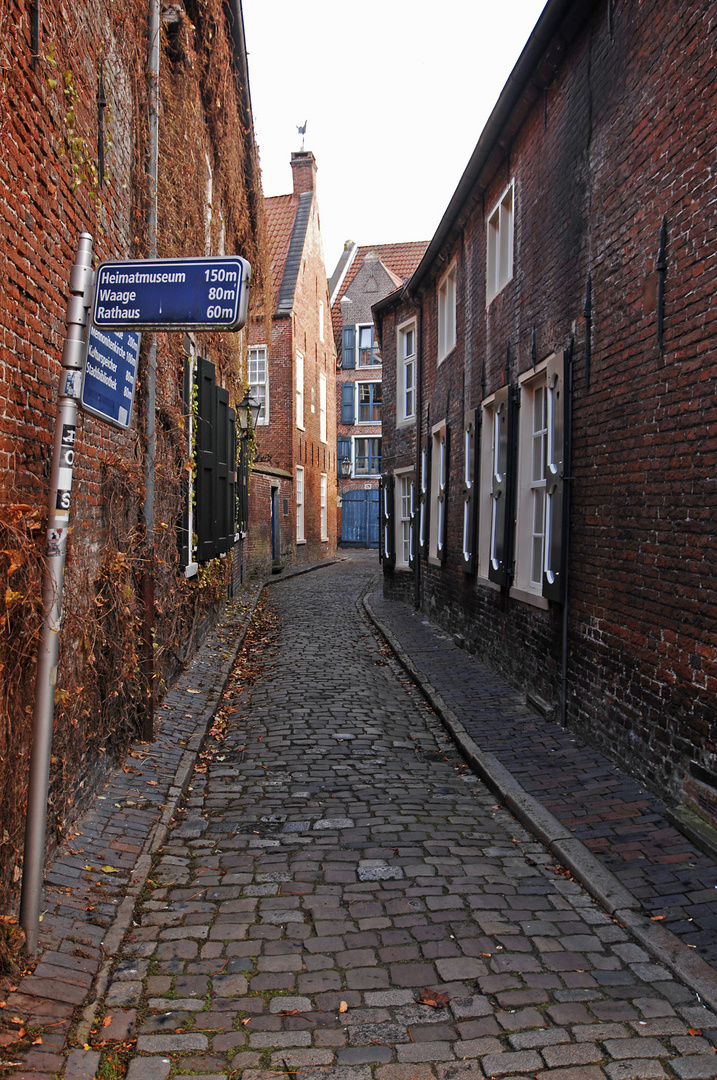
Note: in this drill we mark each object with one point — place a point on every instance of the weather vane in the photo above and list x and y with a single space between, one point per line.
302 132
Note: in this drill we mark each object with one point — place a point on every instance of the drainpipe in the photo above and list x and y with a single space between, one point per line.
567 481
147 582
416 486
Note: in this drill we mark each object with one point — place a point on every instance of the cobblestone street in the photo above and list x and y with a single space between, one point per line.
341 898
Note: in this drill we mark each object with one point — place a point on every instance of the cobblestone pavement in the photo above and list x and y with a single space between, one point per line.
343 899
613 815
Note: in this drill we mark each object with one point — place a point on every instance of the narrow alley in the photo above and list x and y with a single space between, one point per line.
341 898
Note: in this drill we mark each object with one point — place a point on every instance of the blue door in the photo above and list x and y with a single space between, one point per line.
359 518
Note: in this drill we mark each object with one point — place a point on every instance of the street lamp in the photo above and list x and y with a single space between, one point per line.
248 411
346 467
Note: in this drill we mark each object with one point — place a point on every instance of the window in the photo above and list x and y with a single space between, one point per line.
368 347
324 507
447 313
439 492
404 519
369 403
322 407
406 380
299 390
258 380
367 457
539 482
300 503
499 256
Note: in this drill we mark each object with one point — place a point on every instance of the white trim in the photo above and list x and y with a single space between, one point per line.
401 475
324 505
500 239
402 362
300 483
322 408
357 401
446 312
264 418
531 488
299 389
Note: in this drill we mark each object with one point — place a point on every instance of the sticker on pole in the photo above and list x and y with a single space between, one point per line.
110 376
172 294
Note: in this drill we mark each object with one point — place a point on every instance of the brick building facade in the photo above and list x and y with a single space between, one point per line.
362 276
292 502
74 104
550 494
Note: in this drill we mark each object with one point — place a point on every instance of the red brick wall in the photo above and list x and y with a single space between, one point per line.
622 136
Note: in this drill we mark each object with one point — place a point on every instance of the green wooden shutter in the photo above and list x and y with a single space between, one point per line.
183 537
222 524
206 460
553 570
500 564
413 529
471 467
348 347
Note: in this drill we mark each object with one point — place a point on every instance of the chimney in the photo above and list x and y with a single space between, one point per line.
303 166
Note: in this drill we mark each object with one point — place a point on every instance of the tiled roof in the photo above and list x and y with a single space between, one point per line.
286 220
400 260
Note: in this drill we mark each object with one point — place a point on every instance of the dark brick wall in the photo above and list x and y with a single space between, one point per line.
623 134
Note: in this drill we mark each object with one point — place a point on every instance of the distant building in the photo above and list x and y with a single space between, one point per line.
362 276
550 486
292 497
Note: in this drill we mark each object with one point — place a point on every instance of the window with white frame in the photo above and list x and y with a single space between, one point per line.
299 368
496 513
322 407
368 351
534 436
447 313
259 380
406 375
299 502
324 490
499 255
439 485
405 495
367 457
369 397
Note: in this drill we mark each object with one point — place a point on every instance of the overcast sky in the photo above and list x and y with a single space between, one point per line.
395 94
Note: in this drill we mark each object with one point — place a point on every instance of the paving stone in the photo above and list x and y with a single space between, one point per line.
170 1044
156 1068
82 1064
518 1061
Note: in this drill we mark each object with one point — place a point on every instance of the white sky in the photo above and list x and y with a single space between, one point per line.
396 94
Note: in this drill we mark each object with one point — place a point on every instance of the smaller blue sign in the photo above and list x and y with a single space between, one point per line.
110 375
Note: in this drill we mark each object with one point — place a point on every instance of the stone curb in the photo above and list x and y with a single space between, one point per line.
572 853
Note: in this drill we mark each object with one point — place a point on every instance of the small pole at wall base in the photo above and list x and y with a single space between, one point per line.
73 356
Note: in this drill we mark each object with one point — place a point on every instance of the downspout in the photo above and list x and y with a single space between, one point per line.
567 481
147 583
417 483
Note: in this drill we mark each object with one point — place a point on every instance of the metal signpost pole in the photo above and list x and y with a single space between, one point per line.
73 358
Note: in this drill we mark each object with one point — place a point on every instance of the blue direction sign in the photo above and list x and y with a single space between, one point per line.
172 294
110 375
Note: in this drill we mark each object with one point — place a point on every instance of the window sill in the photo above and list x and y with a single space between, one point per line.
526 597
324 539
447 354
191 570
301 541
487 583
407 421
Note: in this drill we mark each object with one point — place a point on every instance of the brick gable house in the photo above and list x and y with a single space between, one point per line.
549 494
362 276
292 503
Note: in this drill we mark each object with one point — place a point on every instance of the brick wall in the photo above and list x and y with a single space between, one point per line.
620 137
